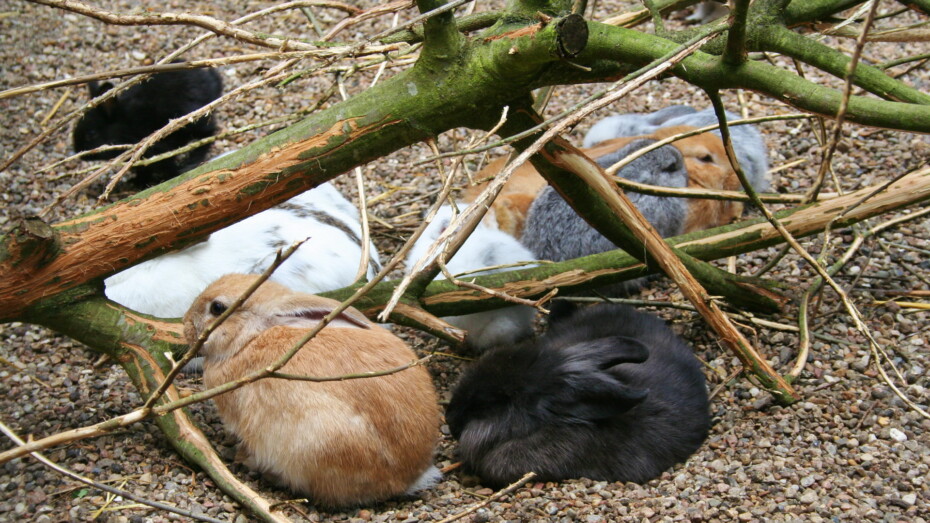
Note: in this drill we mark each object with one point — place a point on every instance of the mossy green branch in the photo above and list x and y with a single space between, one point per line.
626 47
785 41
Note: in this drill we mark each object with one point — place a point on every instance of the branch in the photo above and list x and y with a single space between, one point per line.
785 41
735 52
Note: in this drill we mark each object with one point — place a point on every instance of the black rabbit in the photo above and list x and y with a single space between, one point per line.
608 393
143 109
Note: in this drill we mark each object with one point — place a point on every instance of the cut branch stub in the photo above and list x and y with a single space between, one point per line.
573 35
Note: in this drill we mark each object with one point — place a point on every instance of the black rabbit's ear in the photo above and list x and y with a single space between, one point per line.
595 397
607 352
95 89
590 393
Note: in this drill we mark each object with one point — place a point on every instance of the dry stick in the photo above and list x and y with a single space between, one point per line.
153 69
454 229
214 25
106 488
61 100
877 351
803 327
497 495
827 160
367 14
356 376
536 304
360 182
129 83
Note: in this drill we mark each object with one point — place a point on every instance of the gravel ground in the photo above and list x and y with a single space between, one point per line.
849 451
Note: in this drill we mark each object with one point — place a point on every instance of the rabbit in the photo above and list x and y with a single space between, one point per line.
143 109
747 140
608 393
167 285
508 212
339 442
486 247
708 11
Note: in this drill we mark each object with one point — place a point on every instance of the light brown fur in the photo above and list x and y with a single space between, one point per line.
341 443
705 159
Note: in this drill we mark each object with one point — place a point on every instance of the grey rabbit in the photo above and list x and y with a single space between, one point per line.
143 109
747 140
608 393
553 230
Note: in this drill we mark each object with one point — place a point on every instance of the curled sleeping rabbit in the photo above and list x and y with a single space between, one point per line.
167 285
486 247
339 442
145 108
608 393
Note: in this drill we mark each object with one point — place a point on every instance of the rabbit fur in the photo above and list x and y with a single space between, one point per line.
555 232
486 247
708 11
143 109
329 259
508 212
747 140
708 168
339 442
608 393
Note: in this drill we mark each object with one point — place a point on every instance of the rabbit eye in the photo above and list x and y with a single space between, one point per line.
217 308
707 158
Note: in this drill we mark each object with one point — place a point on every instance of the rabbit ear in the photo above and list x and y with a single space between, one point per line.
95 89
607 352
310 314
593 394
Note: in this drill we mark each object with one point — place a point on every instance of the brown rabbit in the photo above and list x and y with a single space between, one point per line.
705 160
339 442
511 205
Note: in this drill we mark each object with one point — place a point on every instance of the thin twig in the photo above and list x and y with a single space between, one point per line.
106 488
497 495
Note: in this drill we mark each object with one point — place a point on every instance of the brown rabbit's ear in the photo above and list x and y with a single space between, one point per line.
309 314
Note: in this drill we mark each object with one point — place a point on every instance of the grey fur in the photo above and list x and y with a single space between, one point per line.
747 140
633 124
555 232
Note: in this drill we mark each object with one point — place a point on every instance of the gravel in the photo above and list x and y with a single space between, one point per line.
850 450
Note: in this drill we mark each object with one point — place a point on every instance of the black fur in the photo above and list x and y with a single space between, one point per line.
143 109
608 393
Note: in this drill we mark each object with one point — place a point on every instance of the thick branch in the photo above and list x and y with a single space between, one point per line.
787 42
707 71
